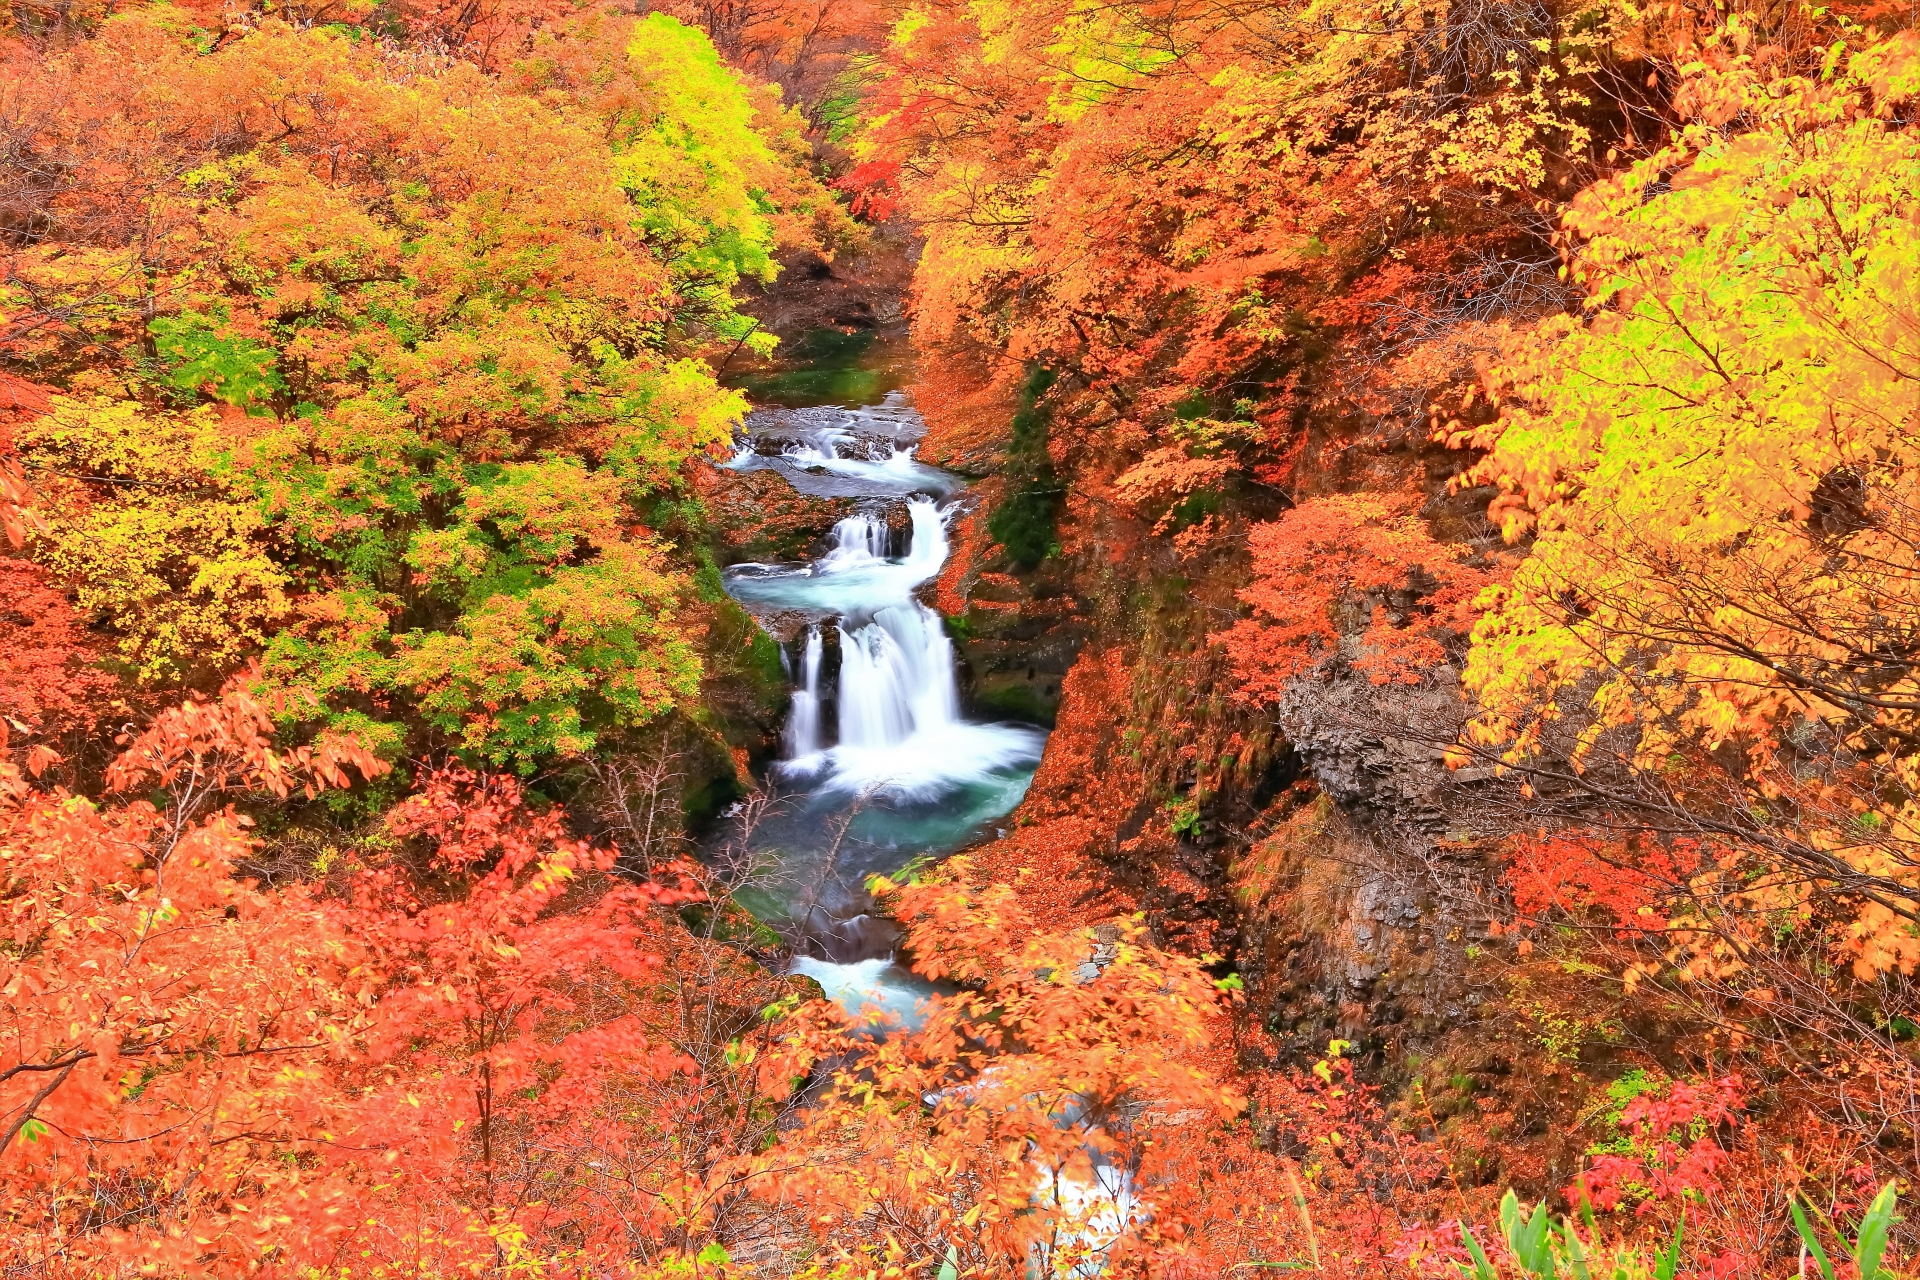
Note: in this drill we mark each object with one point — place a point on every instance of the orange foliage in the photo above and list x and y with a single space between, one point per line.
172 1037
964 393
49 684
198 1072
1571 872
1083 789
1366 555
1052 1098
971 542
1185 208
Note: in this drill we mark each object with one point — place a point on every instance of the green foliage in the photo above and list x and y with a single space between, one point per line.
1544 1251
539 671
1869 1242
199 357
1024 520
689 155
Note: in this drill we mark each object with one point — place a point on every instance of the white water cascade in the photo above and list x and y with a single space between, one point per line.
836 452
803 721
878 764
901 735
896 679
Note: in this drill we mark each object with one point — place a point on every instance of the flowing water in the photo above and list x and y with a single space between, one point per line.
879 764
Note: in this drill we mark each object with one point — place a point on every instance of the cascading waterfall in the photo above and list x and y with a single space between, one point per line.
903 750
896 679
838 453
878 766
803 720
898 698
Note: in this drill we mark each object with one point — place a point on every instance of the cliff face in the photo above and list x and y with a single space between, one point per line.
1319 846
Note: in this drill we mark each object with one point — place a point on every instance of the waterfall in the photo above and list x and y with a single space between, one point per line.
862 542
897 696
896 678
897 666
928 550
859 541
803 721
834 453
877 764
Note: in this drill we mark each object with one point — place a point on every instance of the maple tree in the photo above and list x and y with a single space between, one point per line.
169 1031
1358 554
1713 462
431 1066
440 373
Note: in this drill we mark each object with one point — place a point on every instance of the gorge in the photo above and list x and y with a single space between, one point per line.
1305 615
878 768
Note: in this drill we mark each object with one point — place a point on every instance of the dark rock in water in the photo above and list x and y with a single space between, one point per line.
848 941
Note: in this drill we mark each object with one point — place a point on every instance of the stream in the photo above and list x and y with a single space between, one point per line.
879 764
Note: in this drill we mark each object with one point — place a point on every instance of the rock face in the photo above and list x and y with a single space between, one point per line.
757 515
1321 846
1018 633
1376 751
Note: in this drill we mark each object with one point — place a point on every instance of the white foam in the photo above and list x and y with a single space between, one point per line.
878 992
931 763
831 448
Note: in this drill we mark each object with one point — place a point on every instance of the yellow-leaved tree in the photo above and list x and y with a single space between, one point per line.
1716 636
174 558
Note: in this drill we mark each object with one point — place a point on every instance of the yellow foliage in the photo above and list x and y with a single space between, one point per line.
162 548
1719 463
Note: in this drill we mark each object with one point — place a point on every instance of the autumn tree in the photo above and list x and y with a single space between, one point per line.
378 369
815 51
173 1037
1031 1119
1342 564
1706 641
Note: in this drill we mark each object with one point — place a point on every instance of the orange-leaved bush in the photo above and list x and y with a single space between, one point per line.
1345 564
471 1055
171 1038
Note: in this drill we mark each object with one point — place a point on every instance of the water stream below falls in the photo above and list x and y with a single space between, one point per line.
879 765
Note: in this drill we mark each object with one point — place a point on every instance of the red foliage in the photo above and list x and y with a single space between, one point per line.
1676 1147
49 684
875 187
172 1038
443 1067
1364 554
1571 872
18 396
